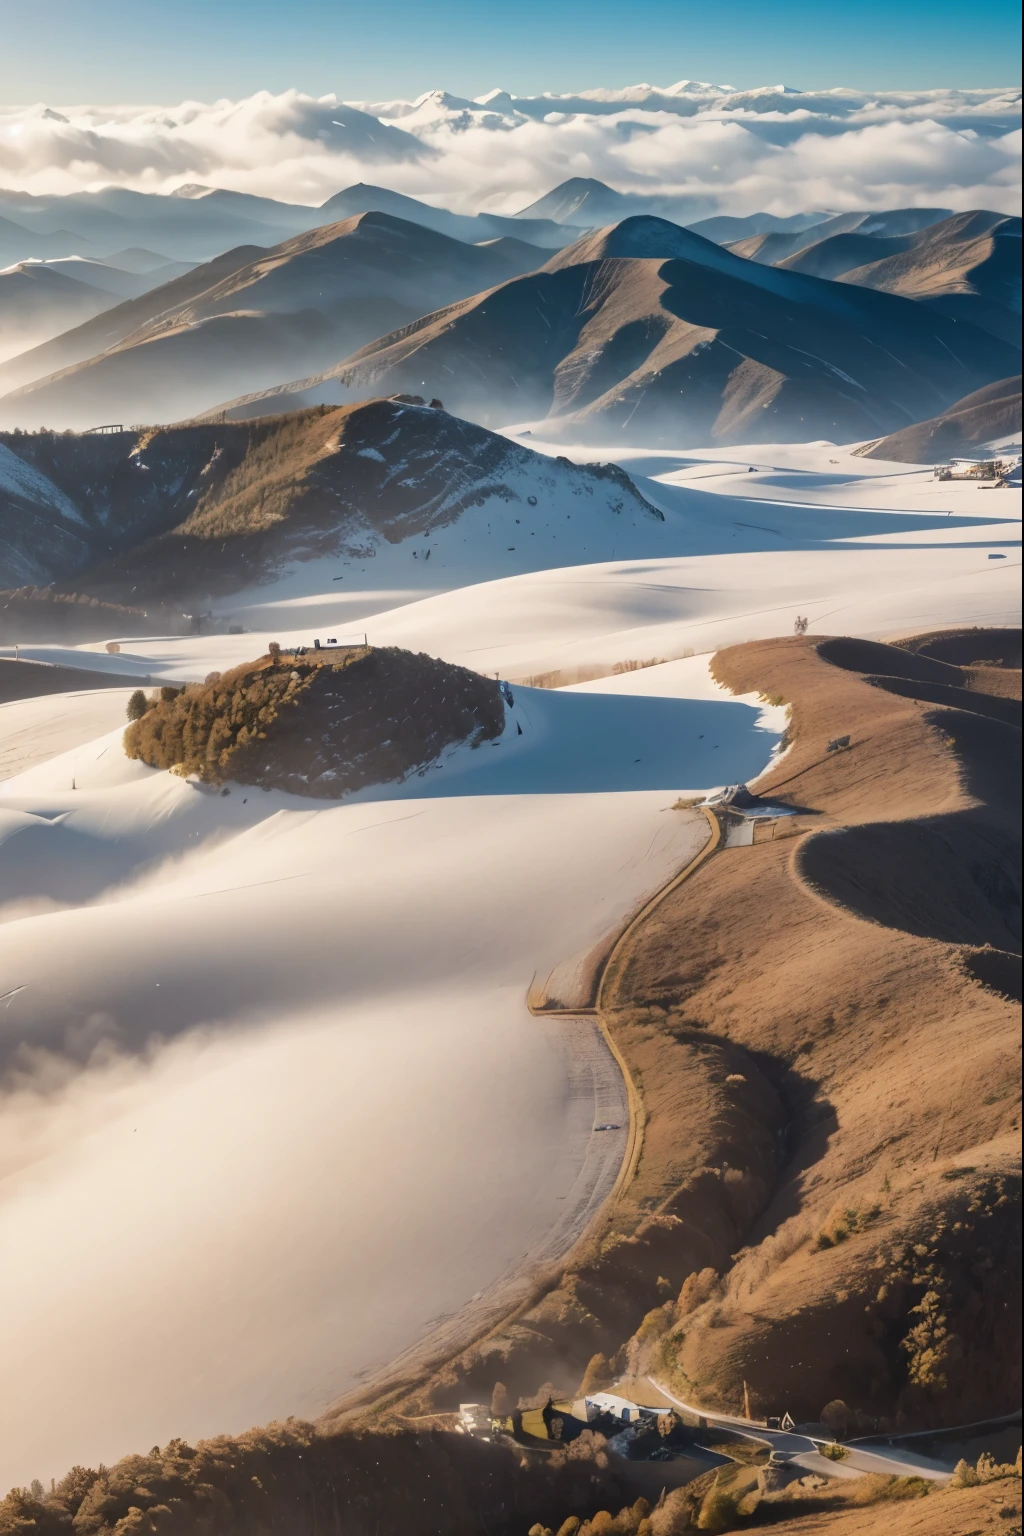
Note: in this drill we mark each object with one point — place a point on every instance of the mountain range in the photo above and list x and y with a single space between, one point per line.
966 265
195 223
649 333
846 327
42 299
253 316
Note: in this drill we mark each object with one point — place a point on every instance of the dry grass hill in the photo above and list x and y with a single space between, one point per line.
981 417
304 304
177 513
647 331
822 1029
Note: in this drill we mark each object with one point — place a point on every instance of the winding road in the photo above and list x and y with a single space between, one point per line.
804 1450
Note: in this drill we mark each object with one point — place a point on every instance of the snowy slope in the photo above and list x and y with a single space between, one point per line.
855 545
278 1027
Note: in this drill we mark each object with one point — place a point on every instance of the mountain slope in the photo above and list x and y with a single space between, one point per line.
988 413
773 242
305 303
107 330
967 265
213 507
648 332
469 227
37 302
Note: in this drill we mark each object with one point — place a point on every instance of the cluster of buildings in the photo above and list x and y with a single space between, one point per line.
1002 471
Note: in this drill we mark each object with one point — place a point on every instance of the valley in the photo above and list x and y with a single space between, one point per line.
509 816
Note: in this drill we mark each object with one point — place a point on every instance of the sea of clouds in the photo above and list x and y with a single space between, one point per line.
716 149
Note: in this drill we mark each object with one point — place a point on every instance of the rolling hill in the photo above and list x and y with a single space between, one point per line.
987 414
42 299
311 300
647 332
376 714
109 329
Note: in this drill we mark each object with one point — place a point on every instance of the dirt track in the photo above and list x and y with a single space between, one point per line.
826 1052
841 962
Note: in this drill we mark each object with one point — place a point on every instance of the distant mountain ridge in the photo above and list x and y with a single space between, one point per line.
254 315
647 332
195 223
967 265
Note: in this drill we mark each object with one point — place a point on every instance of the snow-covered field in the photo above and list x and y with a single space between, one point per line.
751 538
275 1111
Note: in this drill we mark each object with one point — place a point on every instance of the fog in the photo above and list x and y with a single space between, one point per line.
239 1224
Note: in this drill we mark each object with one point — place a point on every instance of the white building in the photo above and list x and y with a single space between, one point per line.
620 1408
475 1419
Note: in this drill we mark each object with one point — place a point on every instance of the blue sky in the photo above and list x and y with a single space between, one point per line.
77 51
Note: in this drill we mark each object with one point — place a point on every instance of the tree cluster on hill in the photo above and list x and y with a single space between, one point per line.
291 1479
320 725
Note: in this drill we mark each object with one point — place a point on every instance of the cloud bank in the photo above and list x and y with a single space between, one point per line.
712 148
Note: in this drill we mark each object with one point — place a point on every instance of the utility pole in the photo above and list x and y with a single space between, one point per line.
746 1401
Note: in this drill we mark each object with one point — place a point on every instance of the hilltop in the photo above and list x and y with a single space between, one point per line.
320 723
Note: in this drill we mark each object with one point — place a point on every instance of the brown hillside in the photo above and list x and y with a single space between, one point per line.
109 329
981 417
321 723
820 1031
966 266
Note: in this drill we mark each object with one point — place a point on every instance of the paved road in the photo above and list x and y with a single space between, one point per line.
804 1449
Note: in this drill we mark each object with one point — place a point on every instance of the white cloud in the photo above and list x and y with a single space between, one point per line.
777 149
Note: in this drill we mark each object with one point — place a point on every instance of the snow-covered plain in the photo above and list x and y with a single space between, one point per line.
275 1113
